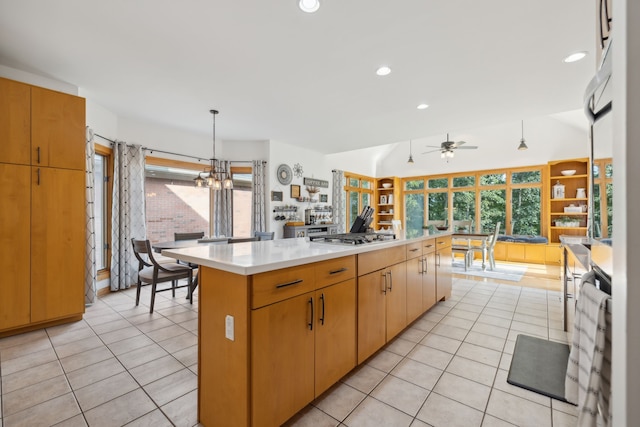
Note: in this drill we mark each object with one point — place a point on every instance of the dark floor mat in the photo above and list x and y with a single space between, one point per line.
540 366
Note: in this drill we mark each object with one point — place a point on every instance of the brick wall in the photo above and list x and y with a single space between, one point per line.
175 206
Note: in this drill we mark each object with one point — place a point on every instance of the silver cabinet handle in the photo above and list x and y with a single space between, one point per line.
390 281
384 284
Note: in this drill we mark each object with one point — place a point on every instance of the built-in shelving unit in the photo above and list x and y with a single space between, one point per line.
387 202
572 202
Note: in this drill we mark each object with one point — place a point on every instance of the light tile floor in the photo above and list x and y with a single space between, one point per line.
122 366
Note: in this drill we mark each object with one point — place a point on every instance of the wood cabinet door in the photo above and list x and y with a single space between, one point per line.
15 251
415 273
444 277
335 333
15 122
396 300
282 359
429 282
57 243
371 314
57 129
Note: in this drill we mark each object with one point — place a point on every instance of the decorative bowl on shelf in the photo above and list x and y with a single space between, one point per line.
442 227
388 185
568 172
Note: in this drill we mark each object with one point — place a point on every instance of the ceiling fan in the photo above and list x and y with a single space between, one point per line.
447 148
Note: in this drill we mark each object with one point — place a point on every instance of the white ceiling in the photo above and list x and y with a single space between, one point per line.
276 73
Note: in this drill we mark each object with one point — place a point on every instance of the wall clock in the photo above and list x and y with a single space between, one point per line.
284 174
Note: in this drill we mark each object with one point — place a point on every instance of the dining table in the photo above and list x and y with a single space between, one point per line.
179 244
484 239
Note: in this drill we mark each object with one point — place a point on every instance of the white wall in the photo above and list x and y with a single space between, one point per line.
548 138
37 80
314 165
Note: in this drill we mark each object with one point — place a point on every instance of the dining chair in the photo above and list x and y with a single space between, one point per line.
243 239
264 235
188 236
152 272
463 246
489 248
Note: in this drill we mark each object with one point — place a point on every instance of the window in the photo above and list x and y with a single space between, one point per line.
525 211
359 190
603 198
414 214
493 208
513 197
242 196
173 202
102 209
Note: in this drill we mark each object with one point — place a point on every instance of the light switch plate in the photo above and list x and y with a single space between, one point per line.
229 330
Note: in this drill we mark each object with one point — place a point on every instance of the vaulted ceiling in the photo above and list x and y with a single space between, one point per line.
277 73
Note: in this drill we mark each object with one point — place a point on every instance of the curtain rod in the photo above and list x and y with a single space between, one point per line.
178 154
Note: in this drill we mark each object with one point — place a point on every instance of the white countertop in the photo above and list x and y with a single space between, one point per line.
257 257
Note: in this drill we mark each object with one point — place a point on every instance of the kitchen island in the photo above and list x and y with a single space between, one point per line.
281 321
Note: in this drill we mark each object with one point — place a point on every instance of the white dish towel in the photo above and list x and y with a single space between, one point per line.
588 379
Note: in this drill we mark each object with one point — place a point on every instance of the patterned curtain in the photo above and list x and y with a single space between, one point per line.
259 197
127 212
90 273
222 206
338 201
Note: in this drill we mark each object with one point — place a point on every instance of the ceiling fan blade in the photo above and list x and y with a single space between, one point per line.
432 151
433 146
459 143
468 147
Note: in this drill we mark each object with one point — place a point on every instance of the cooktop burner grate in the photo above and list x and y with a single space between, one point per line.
352 238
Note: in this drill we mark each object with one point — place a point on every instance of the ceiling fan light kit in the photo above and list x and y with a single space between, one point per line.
447 148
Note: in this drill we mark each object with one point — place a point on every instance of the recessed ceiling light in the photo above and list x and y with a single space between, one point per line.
309 6
576 56
423 106
383 71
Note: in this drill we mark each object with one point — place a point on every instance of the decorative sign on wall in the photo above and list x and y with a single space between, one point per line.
312 182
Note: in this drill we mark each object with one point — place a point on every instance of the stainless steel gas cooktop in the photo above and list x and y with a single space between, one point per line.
352 238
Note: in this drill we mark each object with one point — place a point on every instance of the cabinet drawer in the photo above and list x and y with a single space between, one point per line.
428 246
414 250
443 242
376 260
335 271
278 285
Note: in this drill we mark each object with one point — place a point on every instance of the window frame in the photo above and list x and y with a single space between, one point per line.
349 189
107 153
508 186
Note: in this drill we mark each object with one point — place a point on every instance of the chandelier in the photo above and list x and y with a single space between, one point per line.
215 179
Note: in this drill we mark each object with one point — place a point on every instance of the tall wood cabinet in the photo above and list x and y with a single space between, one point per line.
42 219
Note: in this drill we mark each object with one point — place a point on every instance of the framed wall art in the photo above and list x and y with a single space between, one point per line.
324 198
276 196
295 191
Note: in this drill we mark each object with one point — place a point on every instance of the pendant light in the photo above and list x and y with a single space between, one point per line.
523 145
410 155
214 178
